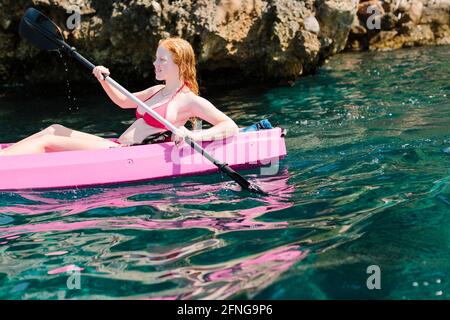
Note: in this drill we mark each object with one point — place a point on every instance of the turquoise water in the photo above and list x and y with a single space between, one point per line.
365 182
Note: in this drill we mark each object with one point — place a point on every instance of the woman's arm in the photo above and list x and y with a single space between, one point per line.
115 95
222 125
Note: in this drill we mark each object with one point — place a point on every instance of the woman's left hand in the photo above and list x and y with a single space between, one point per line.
178 137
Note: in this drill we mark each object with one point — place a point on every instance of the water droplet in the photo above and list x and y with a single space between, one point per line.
415 284
438 280
425 283
439 293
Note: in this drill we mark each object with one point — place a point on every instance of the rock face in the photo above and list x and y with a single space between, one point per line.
236 41
393 24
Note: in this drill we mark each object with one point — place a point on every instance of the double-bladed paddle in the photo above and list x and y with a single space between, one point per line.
44 34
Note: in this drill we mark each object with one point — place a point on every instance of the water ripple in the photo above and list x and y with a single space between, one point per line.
366 181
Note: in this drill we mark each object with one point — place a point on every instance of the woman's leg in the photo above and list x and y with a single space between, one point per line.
56 130
59 130
53 143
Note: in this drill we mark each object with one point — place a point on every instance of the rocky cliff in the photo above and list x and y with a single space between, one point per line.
236 41
393 24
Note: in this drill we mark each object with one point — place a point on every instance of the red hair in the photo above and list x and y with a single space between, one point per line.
184 57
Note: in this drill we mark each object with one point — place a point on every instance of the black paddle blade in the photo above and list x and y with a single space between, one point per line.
242 181
40 30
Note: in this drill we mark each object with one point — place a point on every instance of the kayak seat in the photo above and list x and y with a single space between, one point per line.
263 125
166 136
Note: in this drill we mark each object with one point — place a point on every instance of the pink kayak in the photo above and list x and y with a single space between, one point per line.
138 163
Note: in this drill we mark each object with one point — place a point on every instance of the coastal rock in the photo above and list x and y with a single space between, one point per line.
312 25
336 18
370 8
235 41
415 11
403 23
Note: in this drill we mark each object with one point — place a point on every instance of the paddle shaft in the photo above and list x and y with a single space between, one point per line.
51 39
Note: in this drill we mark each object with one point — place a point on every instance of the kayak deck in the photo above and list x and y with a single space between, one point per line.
79 168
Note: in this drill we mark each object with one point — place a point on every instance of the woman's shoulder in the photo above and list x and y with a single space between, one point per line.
154 89
146 93
190 97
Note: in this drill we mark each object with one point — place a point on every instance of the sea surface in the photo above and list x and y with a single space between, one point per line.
359 208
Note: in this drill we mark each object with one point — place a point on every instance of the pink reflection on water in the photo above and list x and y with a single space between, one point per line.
216 281
119 197
65 269
163 298
225 280
136 223
278 199
57 253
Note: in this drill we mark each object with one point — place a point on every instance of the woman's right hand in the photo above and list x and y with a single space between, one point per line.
101 72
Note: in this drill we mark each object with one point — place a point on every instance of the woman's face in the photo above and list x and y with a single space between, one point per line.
164 66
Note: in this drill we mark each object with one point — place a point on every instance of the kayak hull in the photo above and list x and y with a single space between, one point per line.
69 169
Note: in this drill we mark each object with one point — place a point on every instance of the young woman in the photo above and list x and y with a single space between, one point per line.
177 101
